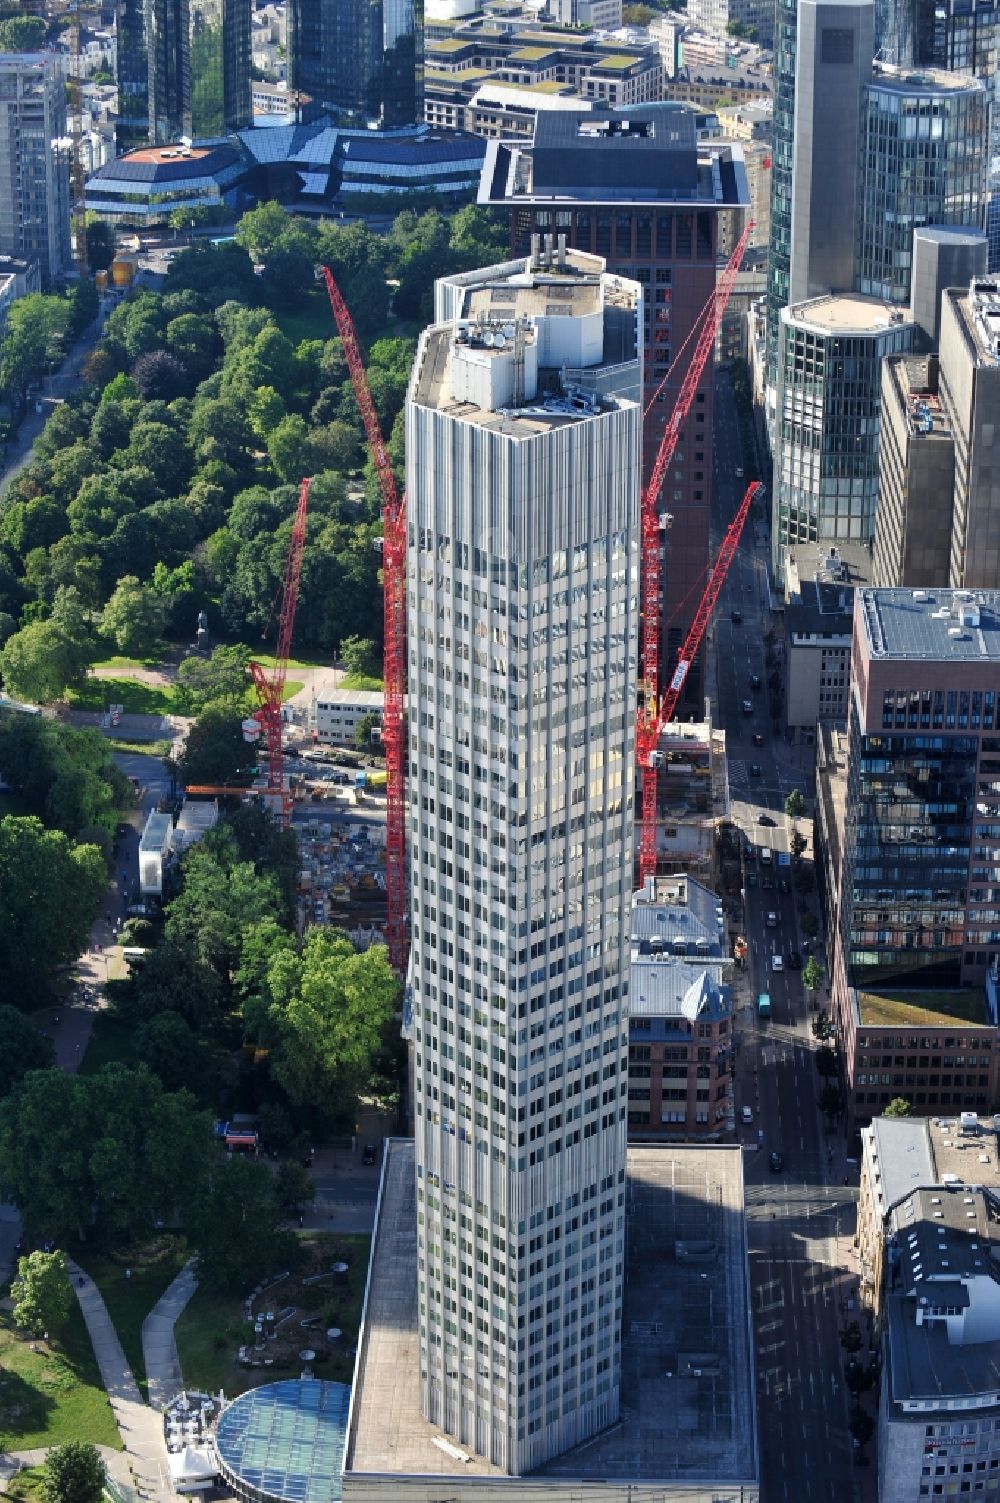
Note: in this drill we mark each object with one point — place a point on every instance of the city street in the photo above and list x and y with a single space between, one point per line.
801 1216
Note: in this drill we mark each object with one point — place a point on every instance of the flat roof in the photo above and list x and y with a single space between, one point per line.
924 80
924 1366
687 1397
924 1009
916 378
846 312
919 624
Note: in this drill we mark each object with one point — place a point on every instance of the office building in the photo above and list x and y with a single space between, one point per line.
34 162
916 956
145 184
637 188
928 1231
523 428
942 257
823 57
827 422
820 580
131 75
198 68
360 61
923 162
916 476
753 125
687 1432
959 36
680 1058
829 807
970 398
716 16
602 15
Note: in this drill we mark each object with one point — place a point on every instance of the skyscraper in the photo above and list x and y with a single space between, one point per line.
523 428
923 162
358 60
823 56
34 162
132 69
636 187
198 68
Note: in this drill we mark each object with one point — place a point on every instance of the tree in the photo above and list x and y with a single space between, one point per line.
809 925
22 33
812 974
235 1226
851 1338
830 1103
798 843
331 1008
795 804
363 730
287 446
261 229
22 1048
222 678
861 1426
74 1473
50 890
898 1107
100 243
294 1186
826 1063
41 661
42 1294
360 657
134 617
215 751
160 375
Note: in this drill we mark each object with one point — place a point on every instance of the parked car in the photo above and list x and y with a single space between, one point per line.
755 680
748 707
764 819
370 1154
776 1161
755 769
747 1114
758 739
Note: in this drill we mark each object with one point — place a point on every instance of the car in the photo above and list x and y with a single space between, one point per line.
751 851
777 962
739 472
758 739
751 879
768 884
764 819
776 1161
755 769
755 680
784 885
747 1114
747 707
794 960
369 1155
736 617
772 920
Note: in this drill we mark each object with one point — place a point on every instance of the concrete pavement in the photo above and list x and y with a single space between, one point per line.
140 1427
159 1349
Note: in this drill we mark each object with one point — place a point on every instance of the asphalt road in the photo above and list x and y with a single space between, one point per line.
801 1219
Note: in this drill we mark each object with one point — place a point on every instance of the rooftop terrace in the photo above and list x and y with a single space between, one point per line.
903 1009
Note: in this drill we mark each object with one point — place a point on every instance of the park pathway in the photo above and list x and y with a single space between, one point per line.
11 1462
140 1427
159 1349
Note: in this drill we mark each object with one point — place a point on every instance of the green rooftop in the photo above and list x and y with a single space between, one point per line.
619 61
450 44
904 1009
530 54
544 86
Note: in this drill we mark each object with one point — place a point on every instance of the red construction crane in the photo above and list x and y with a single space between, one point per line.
270 685
648 736
649 718
394 624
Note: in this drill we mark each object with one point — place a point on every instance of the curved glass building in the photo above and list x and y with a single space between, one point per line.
923 161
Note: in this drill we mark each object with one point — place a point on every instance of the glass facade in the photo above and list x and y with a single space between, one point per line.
923 161
911 802
779 255
132 125
827 427
358 60
962 36
198 68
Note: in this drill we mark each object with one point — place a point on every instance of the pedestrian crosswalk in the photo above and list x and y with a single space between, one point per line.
798 1200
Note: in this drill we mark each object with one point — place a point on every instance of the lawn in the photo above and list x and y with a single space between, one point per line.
54 1394
212 1328
129 1300
362 681
119 662
27 1486
928 1009
268 660
311 319
135 697
159 747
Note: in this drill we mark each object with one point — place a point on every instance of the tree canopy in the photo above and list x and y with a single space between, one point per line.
50 891
41 1292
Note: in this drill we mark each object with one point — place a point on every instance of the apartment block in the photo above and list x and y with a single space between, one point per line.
34 162
638 188
523 428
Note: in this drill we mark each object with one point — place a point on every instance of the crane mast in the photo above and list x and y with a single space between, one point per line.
394 629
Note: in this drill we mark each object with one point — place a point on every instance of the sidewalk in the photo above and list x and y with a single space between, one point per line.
159 1349
141 1429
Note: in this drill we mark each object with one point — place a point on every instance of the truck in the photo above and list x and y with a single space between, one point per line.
764 1006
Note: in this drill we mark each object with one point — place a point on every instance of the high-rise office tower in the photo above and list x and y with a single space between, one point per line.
823 57
970 397
34 162
132 75
923 162
198 68
636 187
523 429
358 60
